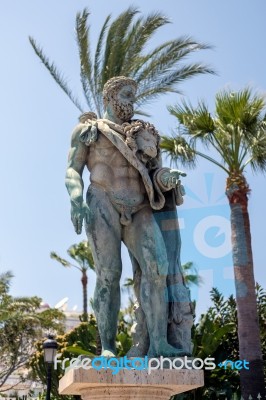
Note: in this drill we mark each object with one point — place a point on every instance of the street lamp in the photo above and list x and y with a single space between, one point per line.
49 347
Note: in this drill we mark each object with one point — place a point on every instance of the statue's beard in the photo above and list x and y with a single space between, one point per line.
123 111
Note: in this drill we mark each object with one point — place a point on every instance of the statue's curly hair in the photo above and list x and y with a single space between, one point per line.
113 85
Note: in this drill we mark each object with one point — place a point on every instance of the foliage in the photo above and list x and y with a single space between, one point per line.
83 336
82 254
215 335
21 323
80 341
123 338
237 132
261 304
235 136
190 273
121 49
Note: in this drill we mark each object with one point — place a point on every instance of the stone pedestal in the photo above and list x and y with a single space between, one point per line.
129 384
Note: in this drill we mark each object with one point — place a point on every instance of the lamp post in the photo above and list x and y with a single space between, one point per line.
49 347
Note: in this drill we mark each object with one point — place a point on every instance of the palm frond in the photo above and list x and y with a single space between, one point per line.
162 81
83 41
241 107
120 50
153 92
197 124
240 116
138 36
168 54
179 150
237 132
61 260
258 150
142 113
140 61
115 48
81 253
58 77
197 121
128 282
191 274
131 44
5 281
98 60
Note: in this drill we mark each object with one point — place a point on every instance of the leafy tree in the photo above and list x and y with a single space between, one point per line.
215 335
80 340
261 304
121 49
21 323
237 134
82 254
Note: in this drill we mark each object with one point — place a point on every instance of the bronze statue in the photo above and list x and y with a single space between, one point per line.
131 199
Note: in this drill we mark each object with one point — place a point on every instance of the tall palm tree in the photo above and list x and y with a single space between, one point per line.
237 135
120 50
81 253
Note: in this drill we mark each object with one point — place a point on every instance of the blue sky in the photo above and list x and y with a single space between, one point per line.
37 119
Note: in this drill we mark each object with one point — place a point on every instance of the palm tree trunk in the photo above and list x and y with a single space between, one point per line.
252 380
84 281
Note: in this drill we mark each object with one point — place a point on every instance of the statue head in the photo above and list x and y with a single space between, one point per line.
119 96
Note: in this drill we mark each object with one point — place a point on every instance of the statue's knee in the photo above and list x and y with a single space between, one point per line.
109 277
154 277
157 271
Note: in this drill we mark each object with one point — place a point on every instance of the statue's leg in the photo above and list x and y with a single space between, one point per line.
104 235
144 240
139 330
180 319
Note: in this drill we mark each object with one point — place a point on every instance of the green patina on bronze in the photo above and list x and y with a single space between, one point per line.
131 199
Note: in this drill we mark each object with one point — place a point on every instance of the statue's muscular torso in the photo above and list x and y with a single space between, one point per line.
109 169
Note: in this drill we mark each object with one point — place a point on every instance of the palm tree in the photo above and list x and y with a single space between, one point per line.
81 253
191 275
120 50
236 134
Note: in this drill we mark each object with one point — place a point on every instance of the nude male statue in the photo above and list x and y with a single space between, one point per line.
127 186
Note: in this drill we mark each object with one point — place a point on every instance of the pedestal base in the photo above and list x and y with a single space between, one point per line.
129 384
127 393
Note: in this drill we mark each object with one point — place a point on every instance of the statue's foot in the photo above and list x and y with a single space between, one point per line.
136 351
166 350
108 353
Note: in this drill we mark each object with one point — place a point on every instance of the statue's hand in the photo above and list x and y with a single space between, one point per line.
78 213
170 179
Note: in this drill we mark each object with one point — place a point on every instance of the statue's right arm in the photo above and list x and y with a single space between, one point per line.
76 162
